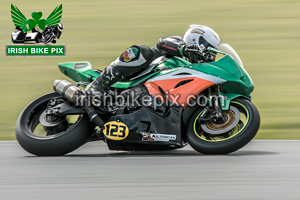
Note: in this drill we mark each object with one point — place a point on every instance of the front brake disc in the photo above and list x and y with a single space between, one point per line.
232 118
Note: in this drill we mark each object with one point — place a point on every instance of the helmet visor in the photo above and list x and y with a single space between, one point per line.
204 44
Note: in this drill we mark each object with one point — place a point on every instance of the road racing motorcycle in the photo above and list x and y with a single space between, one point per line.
205 105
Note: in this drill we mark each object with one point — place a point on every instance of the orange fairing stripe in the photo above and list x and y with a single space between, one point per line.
191 88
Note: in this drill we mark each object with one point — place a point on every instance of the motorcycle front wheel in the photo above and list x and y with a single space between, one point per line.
243 120
64 135
48 38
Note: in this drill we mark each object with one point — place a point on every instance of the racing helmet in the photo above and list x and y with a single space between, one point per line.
60 26
202 36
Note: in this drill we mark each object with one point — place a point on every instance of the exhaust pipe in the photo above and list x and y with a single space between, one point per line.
67 90
71 92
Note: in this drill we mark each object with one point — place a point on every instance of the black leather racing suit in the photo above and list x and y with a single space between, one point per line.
135 59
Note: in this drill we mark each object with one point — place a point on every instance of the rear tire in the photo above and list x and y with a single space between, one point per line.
230 144
52 144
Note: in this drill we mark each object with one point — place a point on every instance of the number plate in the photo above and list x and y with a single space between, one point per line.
115 130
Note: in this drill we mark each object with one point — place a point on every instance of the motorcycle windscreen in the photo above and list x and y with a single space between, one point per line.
226 48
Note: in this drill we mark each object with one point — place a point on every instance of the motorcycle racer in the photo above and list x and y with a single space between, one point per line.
152 110
136 58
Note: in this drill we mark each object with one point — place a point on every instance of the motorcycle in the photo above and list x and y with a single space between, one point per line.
51 33
18 36
174 103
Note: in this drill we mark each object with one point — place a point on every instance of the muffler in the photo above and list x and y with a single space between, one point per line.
71 92
68 90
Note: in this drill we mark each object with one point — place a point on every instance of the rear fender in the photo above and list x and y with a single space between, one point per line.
79 71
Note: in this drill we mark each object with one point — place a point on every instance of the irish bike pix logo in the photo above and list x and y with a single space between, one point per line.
29 34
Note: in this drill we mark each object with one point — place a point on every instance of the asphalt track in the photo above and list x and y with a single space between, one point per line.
261 170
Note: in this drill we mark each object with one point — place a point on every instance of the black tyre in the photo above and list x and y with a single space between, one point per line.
68 134
48 38
230 141
38 38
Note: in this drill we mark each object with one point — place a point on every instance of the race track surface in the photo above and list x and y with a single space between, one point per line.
261 170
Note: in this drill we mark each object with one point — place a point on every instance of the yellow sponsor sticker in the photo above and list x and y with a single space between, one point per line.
115 130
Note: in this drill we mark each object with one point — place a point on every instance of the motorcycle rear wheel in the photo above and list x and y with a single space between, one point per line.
40 141
230 141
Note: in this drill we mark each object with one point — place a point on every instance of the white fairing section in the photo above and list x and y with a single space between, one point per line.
89 65
15 35
31 35
185 72
226 48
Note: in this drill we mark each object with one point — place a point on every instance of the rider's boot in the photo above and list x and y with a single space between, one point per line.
132 61
109 76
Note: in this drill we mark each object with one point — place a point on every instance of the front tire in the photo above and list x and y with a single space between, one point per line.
228 142
68 138
48 38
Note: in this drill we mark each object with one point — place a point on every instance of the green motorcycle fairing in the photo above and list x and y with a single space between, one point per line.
78 71
238 82
84 72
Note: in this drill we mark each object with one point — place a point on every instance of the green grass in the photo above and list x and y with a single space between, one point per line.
265 33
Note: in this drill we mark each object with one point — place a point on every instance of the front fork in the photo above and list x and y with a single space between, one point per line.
215 104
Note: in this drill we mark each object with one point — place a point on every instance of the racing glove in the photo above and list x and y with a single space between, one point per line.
192 51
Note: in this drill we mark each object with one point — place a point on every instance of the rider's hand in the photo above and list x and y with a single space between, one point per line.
193 51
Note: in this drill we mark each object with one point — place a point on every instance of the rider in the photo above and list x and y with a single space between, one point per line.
136 58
